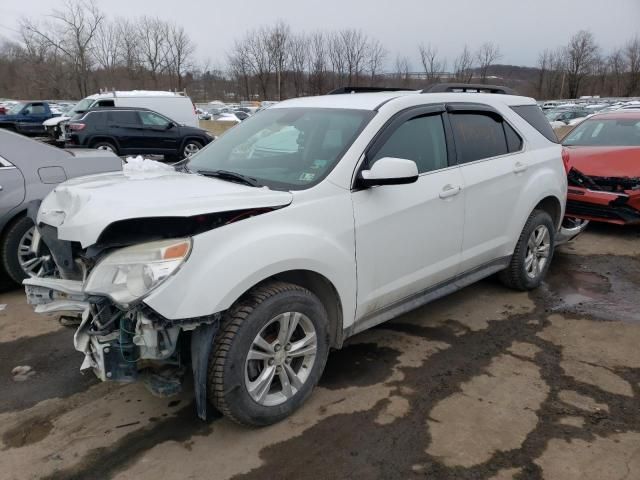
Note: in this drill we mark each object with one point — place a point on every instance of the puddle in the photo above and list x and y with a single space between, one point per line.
605 287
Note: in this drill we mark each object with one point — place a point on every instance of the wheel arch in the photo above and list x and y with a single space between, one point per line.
553 207
321 287
103 138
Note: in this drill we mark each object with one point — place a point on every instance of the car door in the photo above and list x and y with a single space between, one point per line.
409 237
161 135
125 127
494 170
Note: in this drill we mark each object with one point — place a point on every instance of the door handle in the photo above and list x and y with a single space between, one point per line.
450 190
519 167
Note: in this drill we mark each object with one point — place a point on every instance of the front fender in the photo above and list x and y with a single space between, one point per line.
226 262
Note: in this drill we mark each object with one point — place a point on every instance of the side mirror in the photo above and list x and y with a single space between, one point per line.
170 125
389 171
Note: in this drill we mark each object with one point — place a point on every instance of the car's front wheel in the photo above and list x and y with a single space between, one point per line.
269 354
532 255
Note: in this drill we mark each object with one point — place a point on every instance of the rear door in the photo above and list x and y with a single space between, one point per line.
409 237
494 169
126 127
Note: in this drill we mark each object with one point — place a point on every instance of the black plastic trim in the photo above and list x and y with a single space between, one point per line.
469 88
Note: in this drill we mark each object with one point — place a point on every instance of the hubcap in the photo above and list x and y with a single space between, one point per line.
281 358
191 149
538 249
108 148
31 263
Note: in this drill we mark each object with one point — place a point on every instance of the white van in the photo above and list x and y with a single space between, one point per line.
176 106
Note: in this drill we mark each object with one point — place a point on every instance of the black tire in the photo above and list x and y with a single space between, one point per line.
185 148
515 276
105 145
10 244
242 323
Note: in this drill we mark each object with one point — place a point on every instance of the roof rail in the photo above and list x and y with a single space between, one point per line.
469 87
341 90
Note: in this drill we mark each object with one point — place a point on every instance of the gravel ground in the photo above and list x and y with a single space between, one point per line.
486 383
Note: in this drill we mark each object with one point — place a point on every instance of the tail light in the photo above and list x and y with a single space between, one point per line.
76 126
565 160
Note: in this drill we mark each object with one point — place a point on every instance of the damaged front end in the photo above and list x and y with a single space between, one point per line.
603 199
122 338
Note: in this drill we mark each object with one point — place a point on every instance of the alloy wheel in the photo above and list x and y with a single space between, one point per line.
538 249
31 263
191 149
281 358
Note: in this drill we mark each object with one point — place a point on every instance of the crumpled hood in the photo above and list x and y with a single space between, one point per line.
82 208
52 122
605 161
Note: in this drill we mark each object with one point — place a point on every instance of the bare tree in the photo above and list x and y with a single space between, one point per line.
545 59
129 46
240 67
337 58
432 64
463 66
486 56
276 41
180 50
72 32
403 70
355 45
153 46
317 63
617 67
257 54
581 54
299 48
632 60
106 50
376 54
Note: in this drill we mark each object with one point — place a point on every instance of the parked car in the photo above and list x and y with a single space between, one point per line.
603 161
315 220
134 131
241 114
565 116
27 117
28 171
176 106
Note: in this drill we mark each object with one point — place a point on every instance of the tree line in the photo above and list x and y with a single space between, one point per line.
77 50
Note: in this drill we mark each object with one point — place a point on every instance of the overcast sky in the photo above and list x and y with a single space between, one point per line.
521 28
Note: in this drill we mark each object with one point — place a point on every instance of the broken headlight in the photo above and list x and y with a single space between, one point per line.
130 273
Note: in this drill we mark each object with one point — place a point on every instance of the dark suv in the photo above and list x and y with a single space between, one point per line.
133 131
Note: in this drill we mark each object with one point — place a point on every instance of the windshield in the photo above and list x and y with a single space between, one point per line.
610 132
16 109
284 148
82 106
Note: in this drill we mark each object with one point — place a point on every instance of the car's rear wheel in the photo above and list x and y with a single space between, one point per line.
269 354
105 145
533 253
190 148
18 257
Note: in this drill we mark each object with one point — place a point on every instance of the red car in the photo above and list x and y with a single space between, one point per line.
602 158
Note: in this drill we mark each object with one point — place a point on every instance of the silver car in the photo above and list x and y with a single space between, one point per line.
29 170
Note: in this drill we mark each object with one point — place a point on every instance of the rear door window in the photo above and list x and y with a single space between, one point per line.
128 117
478 136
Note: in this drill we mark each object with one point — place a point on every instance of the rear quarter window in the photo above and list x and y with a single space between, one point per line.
533 115
478 136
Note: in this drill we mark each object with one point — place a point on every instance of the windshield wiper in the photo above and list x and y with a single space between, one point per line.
230 176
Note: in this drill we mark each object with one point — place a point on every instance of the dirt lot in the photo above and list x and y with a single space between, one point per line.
486 383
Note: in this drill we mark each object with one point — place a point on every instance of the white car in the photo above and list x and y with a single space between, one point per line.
302 226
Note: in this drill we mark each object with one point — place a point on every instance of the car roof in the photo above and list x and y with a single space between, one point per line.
119 109
372 101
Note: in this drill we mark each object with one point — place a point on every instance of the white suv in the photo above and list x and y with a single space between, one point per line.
308 223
